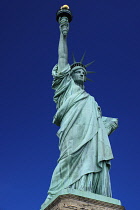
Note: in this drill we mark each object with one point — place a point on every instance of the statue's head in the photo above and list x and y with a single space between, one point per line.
79 72
79 75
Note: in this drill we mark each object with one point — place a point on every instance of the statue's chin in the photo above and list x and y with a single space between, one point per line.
79 82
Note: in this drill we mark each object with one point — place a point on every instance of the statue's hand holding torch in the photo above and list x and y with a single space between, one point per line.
64 25
64 17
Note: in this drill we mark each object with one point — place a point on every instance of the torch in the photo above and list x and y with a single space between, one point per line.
64 17
64 11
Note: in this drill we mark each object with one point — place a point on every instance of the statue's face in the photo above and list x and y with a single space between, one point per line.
79 76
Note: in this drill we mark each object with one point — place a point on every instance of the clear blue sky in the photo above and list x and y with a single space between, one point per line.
109 32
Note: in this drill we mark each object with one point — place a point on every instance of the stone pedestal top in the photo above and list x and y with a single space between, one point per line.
70 200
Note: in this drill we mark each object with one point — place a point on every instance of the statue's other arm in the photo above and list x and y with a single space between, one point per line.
62 48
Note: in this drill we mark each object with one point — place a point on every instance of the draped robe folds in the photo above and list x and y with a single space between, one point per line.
85 150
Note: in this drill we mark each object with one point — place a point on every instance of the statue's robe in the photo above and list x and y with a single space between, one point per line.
85 150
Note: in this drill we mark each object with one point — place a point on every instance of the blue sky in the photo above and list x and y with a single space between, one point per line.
109 32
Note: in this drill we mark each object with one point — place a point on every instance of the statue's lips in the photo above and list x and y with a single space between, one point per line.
79 79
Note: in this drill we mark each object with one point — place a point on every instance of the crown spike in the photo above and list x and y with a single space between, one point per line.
89 79
90 72
73 58
83 57
89 64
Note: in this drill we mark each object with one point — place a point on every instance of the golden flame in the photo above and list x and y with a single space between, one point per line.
64 7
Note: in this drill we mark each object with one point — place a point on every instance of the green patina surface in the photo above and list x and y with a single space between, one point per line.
85 150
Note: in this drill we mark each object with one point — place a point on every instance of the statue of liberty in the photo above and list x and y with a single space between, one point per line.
85 150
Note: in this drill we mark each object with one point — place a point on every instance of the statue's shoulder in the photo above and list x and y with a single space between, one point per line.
56 72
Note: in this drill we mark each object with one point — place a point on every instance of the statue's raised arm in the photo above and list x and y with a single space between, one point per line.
62 48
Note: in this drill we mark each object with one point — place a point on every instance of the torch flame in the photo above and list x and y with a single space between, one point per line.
64 7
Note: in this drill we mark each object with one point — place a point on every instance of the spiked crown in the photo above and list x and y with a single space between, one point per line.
80 64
